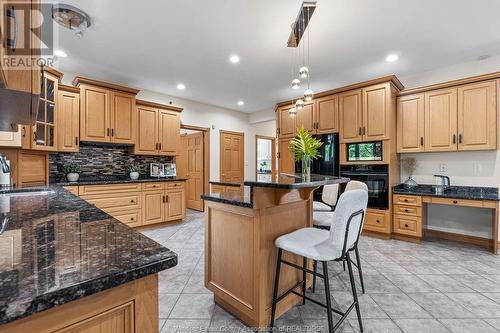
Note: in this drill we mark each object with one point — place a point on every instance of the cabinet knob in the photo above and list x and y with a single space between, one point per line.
455 201
131 219
132 201
406 225
378 221
406 200
406 210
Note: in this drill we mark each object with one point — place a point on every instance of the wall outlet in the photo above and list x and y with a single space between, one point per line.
443 167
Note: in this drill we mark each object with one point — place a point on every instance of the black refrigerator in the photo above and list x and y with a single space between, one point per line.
328 163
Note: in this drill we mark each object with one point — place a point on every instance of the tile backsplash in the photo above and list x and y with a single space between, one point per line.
102 160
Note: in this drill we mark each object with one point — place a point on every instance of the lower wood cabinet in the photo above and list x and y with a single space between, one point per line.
137 204
407 218
378 221
28 167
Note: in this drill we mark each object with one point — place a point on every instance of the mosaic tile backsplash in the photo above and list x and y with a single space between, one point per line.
97 160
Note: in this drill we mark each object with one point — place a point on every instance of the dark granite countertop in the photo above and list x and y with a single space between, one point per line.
234 184
111 180
295 181
63 248
242 198
453 192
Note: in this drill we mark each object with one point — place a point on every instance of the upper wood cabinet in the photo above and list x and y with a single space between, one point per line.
350 115
306 117
477 116
108 112
158 129
327 114
376 115
68 119
441 120
286 122
410 120
11 139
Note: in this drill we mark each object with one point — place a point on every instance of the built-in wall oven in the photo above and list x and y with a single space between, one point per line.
376 177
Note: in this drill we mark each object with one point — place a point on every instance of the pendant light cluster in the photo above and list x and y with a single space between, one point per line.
299 59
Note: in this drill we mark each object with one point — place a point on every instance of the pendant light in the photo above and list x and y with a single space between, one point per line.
299 104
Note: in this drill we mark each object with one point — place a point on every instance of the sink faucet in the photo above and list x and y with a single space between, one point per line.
4 164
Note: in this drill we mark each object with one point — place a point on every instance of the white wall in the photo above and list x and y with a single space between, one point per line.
480 168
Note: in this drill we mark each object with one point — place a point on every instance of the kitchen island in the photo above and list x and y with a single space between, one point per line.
67 266
240 229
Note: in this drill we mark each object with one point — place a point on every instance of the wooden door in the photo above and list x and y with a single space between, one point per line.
376 104
175 208
44 132
305 117
410 124
327 114
153 210
231 156
350 116
68 121
477 116
95 116
169 132
286 162
286 123
441 120
33 169
147 127
11 139
123 117
194 174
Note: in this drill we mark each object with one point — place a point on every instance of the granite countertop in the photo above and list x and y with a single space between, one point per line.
63 249
234 184
453 192
242 198
295 181
103 180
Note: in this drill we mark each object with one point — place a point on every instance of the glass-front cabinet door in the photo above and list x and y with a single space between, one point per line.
44 136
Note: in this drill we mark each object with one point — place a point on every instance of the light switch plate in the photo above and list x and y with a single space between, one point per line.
443 167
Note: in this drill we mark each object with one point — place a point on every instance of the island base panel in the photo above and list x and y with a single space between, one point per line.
129 308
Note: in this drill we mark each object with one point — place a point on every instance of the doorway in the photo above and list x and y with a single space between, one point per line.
231 156
193 163
265 151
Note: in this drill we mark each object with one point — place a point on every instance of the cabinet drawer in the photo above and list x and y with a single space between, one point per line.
376 222
408 210
457 202
175 185
153 186
115 202
111 189
412 200
132 218
72 189
408 225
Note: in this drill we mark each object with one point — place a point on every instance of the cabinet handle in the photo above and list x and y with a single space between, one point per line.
107 132
11 42
406 200
159 145
455 201
112 132
23 131
131 219
132 201
378 221
460 138
364 130
421 140
406 225
76 141
163 198
359 131
454 138
406 210
166 198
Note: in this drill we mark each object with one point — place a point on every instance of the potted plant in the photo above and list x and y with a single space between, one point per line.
409 164
262 165
133 170
72 172
304 147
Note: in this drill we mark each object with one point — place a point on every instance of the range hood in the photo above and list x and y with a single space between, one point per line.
17 108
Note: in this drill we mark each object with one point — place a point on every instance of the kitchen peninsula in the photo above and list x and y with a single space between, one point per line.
67 266
240 255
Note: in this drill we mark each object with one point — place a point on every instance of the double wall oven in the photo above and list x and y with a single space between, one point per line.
376 177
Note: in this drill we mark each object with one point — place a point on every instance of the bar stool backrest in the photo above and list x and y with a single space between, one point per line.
349 217
355 185
330 194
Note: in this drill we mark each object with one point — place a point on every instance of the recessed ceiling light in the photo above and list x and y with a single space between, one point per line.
241 103
181 86
234 59
392 57
60 53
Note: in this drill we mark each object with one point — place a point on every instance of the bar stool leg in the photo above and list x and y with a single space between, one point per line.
358 261
328 298
276 285
354 293
304 265
315 269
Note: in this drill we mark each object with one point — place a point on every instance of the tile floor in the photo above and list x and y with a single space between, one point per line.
435 286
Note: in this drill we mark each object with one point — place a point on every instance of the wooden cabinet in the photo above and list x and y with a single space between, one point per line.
286 162
154 206
28 167
407 218
327 114
158 129
286 127
68 119
376 115
410 124
350 116
108 112
175 208
306 117
441 120
477 116
11 139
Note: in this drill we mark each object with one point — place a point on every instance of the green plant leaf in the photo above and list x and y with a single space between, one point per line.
304 145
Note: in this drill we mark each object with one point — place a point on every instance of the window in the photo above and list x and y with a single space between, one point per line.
365 151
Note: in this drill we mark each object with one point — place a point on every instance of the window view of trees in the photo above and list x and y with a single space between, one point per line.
369 151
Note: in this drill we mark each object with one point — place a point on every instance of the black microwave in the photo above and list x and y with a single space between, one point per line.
364 151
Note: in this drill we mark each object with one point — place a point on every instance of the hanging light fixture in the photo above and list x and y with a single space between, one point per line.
295 84
292 111
299 104
304 72
308 95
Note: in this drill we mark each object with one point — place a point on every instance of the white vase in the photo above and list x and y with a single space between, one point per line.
134 175
73 177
